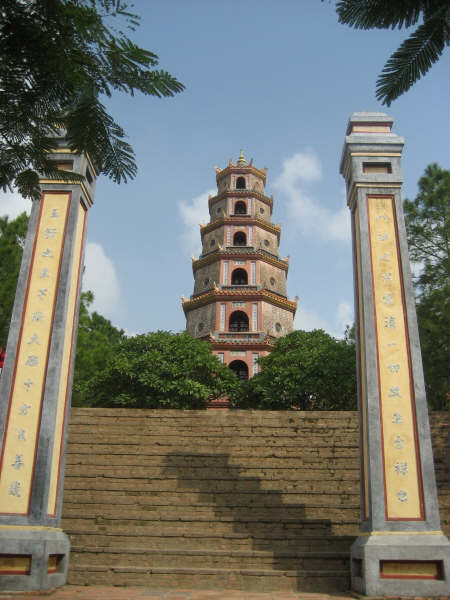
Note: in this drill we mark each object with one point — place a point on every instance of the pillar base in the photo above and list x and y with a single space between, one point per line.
33 558
401 565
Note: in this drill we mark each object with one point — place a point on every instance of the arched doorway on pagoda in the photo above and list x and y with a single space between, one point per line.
240 208
238 321
239 239
239 368
239 277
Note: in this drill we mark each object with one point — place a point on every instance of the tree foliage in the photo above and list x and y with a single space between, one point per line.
433 314
417 54
428 229
160 370
97 343
57 58
12 239
306 370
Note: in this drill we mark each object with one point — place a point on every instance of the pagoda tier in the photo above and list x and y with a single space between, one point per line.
239 302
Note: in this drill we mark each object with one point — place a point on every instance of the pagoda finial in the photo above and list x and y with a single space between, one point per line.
241 160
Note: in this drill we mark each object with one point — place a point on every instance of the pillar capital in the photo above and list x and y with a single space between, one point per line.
371 155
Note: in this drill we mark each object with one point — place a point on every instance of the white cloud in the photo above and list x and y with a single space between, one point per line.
344 314
192 213
13 204
308 320
304 213
100 277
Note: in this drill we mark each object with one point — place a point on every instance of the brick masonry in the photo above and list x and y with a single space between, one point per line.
245 500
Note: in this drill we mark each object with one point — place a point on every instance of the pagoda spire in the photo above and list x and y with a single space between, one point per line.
241 160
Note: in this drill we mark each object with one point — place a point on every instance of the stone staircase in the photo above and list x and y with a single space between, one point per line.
249 500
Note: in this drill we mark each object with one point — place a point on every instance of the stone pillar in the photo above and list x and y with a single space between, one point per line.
36 382
401 549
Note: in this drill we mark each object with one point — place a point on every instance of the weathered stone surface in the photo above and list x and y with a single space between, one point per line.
210 498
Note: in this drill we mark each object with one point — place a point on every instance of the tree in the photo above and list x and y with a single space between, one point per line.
97 343
428 229
306 370
433 315
160 370
12 239
57 58
417 53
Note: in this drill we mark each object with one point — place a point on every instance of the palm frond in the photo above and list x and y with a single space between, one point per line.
414 58
380 14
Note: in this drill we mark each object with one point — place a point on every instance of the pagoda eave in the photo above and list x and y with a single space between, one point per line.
245 193
218 294
241 220
244 169
261 346
235 253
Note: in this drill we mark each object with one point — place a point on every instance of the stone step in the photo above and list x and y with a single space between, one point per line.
233 452
101 500
231 486
195 529
208 578
145 557
202 435
204 431
224 514
251 500
313 460
253 417
229 543
241 473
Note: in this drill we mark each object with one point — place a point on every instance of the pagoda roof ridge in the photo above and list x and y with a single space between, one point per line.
213 295
240 168
235 220
243 251
241 192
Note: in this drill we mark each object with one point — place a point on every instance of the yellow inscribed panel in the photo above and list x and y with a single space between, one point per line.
31 361
403 489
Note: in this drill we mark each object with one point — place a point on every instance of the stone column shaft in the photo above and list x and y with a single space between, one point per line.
402 549
36 382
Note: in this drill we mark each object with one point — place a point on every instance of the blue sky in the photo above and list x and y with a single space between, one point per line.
278 78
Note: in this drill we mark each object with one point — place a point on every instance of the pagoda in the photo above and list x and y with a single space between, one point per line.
239 302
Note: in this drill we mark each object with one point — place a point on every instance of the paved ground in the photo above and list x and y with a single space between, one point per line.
72 592
75 592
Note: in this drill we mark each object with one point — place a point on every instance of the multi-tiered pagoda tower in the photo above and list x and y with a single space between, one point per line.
239 302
